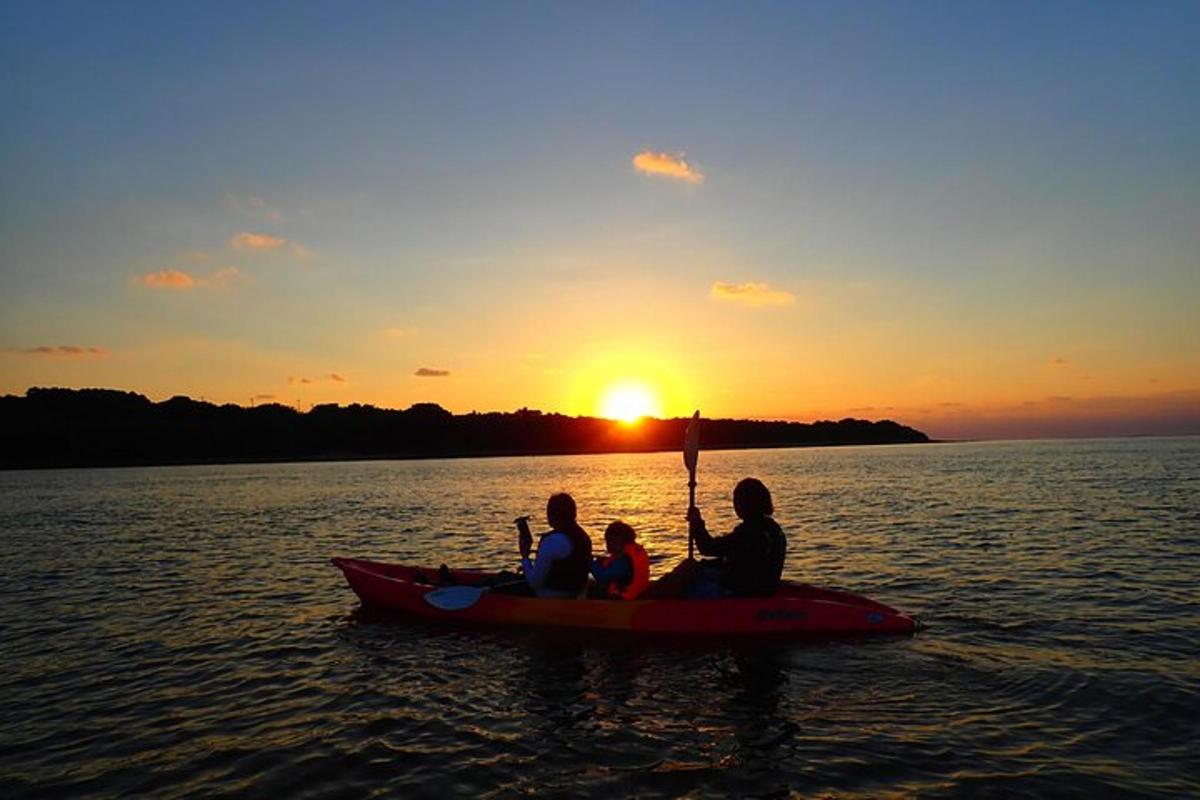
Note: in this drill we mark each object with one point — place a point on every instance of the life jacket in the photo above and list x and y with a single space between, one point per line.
570 574
641 572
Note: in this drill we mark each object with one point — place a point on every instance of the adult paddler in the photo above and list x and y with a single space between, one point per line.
564 553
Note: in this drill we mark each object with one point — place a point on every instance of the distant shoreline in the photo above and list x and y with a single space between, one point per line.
53 428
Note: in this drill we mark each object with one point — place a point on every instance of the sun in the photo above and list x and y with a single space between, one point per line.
629 401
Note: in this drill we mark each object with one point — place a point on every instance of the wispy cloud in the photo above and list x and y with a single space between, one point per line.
179 280
264 397
426 372
667 165
166 279
750 294
62 350
1058 361
256 242
251 242
305 380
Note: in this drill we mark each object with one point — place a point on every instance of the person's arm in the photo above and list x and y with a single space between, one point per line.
706 543
620 571
554 547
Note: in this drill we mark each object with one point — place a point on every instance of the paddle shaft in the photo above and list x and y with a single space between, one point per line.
691 505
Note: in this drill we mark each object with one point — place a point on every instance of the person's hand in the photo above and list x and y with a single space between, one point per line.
524 536
695 520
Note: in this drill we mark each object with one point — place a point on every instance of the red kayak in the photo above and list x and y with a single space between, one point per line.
795 608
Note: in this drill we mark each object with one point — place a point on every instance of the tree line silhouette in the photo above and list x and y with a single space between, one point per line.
103 427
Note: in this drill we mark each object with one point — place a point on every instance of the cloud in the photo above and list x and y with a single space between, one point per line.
667 165
256 242
178 280
1058 361
304 380
263 397
751 294
67 350
166 279
426 372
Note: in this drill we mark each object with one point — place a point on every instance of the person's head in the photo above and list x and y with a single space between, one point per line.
617 535
560 511
752 499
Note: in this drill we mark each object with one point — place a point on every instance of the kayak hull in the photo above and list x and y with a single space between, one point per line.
796 609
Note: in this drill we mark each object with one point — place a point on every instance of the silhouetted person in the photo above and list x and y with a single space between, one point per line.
625 572
564 553
748 561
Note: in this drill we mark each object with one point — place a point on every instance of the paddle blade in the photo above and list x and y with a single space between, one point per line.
691 443
455 598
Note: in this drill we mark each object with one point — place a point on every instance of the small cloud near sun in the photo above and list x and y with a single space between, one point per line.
67 350
750 294
426 372
667 165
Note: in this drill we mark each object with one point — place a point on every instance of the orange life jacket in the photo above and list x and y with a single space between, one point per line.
641 572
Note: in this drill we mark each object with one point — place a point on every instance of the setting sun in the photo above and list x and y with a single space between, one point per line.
629 402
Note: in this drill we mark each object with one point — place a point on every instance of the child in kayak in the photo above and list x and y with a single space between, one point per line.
625 573
748 560
564 553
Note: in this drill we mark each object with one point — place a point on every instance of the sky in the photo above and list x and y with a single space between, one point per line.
982 220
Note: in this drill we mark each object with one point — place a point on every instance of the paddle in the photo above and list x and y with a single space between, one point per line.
691 452
460 598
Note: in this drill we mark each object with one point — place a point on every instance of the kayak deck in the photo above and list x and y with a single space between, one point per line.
795 608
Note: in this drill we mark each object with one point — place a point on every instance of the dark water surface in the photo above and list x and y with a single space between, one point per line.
179 632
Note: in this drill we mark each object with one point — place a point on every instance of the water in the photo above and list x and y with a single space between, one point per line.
179 632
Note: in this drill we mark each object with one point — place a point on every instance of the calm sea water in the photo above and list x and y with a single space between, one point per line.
179 632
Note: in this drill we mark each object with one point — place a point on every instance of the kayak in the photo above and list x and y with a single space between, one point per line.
796 608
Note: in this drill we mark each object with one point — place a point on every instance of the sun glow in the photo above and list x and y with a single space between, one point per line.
629 402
